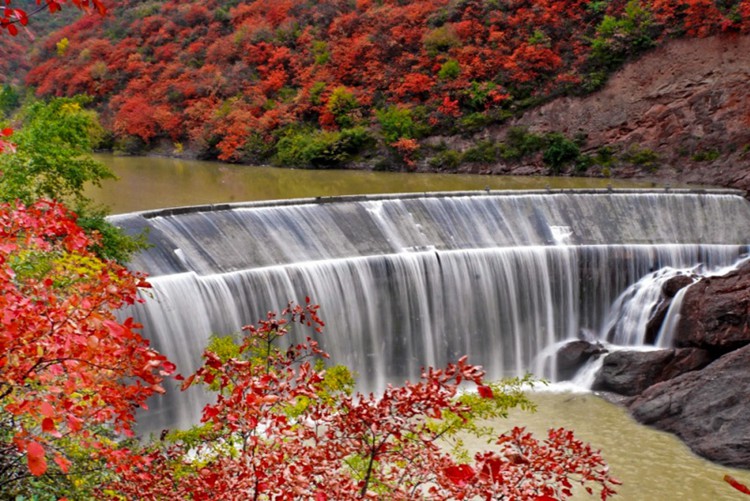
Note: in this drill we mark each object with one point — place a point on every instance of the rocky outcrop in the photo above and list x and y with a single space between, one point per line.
631 372
686 101
708 409
715 313
701 390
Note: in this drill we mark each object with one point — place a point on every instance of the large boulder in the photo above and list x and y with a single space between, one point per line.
708 409
715 313
573 355
631 372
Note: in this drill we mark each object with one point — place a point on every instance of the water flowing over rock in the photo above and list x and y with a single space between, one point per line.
700 392
411 281
573 355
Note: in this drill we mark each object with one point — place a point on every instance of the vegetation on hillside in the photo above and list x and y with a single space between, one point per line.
320 83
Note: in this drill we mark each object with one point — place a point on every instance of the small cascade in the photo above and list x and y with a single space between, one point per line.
631 312
405 282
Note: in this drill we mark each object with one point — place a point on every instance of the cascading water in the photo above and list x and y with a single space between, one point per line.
411 281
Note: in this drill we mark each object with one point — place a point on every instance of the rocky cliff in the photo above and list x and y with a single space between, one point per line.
687 103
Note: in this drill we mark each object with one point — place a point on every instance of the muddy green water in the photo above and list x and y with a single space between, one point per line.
653 466
154 183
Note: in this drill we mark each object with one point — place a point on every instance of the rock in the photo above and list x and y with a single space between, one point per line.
668 291
574 355
708 409
631 372
685 102
672 286
715 313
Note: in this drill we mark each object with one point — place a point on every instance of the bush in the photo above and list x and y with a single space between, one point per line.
449 70
620 38
706 155
320 149
483 152
519 142
643 157
284 426
559 152
447 159
396 122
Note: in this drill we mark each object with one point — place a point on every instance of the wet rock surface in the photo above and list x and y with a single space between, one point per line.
708 409
573 356
699 391
715 313
631 372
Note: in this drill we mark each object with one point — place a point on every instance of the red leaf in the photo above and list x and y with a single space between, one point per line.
63 463
47 410
459 474
6 132
12 29
736 484
485 391
35 456
321 496
48 425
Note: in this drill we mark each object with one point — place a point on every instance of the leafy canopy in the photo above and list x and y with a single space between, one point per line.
283 426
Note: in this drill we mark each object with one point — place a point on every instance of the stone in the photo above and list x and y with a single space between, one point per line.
715 313
631 372
708 409
668 291
573 355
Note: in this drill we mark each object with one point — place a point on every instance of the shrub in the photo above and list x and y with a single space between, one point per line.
482 152
320 149
643 157
559 152
706 155
449 70
446 159
284 426
396 122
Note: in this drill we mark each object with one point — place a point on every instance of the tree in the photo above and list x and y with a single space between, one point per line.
71 374
51 158
11 18
285 427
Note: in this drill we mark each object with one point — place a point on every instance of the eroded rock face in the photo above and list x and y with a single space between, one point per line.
686 101
715 313
708 409
631 372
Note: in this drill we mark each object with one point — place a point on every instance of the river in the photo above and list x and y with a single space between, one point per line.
652 465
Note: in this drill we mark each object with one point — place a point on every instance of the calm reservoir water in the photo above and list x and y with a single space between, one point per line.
652 465
156 183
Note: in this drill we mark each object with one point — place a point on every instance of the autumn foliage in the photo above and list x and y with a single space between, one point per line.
233 81
71 374
285 427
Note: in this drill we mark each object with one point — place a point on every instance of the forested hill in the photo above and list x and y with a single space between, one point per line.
324 82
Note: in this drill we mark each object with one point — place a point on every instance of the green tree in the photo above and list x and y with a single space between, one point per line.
52 160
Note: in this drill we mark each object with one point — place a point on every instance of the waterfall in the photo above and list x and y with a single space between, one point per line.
409 281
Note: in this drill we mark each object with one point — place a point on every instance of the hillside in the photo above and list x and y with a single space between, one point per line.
365 83
681 112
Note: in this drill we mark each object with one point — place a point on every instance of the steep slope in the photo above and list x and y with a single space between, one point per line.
684 107
333 82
